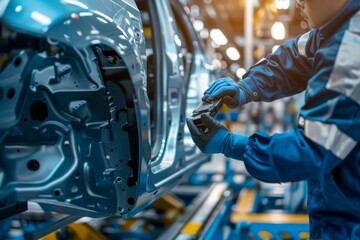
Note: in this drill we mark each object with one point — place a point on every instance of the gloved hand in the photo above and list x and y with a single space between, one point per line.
217 139
227 89
214 140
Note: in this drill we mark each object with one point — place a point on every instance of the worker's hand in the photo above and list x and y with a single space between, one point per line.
214 140
217 139
227 89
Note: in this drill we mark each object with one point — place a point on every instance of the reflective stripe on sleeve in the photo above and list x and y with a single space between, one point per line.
329 137
345 77
354 23
301 44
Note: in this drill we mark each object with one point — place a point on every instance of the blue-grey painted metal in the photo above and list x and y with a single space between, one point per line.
74 139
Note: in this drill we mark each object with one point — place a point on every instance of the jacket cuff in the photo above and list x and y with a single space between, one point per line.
249 88
235 146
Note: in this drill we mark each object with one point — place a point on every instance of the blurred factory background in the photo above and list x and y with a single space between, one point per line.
228 26
220 200
237 34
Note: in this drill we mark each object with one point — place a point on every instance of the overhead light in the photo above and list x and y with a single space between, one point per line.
218 56
195 10
218 36
240 72
216 63
198 25
223 64
234 67
282 4
233 53
210 11
204 33
214 44
278 31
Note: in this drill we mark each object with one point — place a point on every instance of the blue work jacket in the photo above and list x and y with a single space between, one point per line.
324 148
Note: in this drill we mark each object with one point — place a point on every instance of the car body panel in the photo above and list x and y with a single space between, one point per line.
75 125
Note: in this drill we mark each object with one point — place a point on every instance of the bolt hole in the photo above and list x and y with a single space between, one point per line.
33 165
155 192
57 192
123 190
117 165
11 93
131 201
17 62
118 179
77 175
17 150
111 150
39 110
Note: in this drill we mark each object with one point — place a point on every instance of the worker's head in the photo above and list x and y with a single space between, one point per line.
318 12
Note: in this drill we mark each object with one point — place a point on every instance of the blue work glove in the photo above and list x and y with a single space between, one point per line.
227 89
217 139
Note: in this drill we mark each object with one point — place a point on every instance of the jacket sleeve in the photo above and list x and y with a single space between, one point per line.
283 73
314 148
289 157
328 127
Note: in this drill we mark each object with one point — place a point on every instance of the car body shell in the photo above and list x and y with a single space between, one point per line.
76 135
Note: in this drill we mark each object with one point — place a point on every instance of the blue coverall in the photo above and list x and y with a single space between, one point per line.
324 148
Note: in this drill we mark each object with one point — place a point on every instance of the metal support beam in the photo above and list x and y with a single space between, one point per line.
51 228
13 210
249 33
